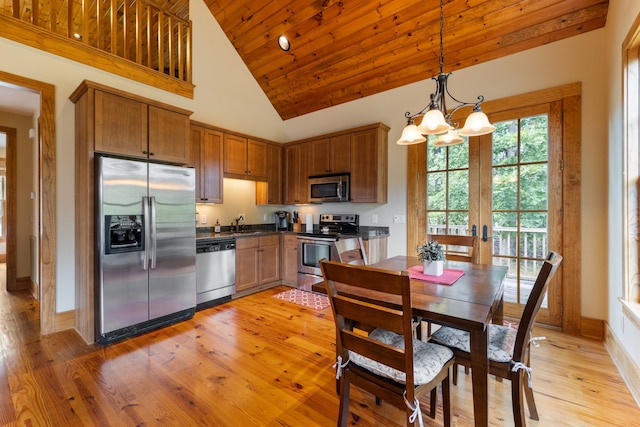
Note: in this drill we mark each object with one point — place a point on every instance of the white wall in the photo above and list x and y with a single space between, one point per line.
226 95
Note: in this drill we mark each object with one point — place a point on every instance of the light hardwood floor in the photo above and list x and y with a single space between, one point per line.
259 361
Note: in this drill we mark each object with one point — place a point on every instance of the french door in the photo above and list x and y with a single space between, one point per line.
506 188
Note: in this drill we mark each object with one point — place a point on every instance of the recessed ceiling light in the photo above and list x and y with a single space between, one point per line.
284 44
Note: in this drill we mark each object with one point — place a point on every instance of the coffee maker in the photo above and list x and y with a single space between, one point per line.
283 221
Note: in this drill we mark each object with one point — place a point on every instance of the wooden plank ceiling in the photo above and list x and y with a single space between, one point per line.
343 50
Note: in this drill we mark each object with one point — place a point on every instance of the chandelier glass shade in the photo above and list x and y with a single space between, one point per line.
436 118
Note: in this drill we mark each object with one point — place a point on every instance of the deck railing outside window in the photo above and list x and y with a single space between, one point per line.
134 30
534 246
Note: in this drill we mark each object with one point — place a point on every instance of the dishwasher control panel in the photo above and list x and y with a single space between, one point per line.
215 246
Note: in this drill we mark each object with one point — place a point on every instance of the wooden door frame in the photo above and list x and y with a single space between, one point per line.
11 216
47 194
570 95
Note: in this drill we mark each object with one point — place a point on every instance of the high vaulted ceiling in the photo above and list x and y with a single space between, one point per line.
343 50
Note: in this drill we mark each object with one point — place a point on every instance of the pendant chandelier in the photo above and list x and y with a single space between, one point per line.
436 118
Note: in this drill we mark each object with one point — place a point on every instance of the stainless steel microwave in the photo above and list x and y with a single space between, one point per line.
329 188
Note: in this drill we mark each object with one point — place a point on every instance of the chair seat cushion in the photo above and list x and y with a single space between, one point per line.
502 340
428 358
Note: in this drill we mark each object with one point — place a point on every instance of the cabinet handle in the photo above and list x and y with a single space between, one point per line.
144 152
152 154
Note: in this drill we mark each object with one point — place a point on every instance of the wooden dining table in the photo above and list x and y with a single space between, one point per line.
470 303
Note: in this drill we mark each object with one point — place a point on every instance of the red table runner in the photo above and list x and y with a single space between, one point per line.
448 277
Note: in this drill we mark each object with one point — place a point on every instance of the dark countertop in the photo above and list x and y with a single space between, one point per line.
366 232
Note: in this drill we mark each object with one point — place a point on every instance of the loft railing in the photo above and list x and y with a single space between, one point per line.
134 30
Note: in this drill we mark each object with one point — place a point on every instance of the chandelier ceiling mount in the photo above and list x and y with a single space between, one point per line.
436 118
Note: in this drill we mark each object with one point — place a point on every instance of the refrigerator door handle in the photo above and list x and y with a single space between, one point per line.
147 236
154 230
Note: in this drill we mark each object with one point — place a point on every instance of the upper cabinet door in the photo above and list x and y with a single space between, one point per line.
330 155
211 166
340 154
257 160
235 156
120 125
369 169
168 135
320 152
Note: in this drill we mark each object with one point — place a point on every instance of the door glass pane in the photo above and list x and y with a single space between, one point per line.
505 143
459 155
505 229
459 190
436 156
447 189
437 191
505 188
534 139
520 201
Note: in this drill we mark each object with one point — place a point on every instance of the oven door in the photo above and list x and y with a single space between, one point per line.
311 251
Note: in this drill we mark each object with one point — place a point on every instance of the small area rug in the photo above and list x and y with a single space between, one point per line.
304 298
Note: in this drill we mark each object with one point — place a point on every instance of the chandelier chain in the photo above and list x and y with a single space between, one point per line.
441 36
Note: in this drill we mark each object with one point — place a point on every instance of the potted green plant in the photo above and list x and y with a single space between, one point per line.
432 256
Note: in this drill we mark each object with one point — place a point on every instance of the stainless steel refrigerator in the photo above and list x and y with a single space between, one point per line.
146 246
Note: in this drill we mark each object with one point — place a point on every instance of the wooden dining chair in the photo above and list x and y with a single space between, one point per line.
388 362
458 247
509 349
351 251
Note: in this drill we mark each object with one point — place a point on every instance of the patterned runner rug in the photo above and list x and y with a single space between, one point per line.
304 298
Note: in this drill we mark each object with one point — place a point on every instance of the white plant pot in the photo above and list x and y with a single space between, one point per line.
433 268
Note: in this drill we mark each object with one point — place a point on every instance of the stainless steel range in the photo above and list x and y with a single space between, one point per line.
312 247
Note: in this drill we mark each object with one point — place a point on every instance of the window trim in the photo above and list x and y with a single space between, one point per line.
631 163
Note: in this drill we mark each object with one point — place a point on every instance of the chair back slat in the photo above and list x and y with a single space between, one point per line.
458 247
366 278
351 251
360 295
372 315
540 287
374 350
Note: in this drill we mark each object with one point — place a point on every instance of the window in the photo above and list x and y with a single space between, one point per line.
631 65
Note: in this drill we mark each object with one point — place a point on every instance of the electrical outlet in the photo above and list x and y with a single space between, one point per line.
374 219
203 219
399 219
240 217
265 218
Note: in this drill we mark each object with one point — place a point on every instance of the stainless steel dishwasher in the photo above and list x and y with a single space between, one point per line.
215 271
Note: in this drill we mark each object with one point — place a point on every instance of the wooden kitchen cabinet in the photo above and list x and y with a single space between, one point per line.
247 270
270 192
330 155
206 157
369 164
376 249
245 158
296 175
257 261
120 125
168 135
269 259
128 126
290 259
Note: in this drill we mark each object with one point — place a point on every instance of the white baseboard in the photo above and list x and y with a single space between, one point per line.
626 366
